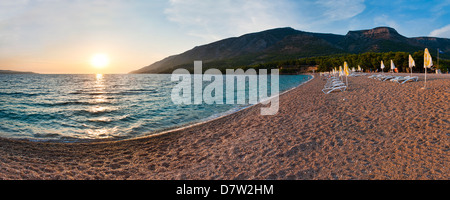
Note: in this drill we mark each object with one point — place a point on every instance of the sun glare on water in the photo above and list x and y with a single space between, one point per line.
100 60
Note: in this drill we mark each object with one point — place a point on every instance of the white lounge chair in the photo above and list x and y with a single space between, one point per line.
407 78
375 76
333 83
387 78
331 89
380 77
334 86
397 78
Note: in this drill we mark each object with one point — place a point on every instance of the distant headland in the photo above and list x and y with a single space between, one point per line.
15 72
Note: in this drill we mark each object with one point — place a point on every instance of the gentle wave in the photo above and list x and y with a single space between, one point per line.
20 94
128 92
71 103
112 119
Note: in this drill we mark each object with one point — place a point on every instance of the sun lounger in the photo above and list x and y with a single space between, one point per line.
334 84
331 89
332 81
387 78
381 77
407 78
375 76
397 78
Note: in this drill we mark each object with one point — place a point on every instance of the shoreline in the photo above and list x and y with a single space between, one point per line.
207 120
162 131
374 130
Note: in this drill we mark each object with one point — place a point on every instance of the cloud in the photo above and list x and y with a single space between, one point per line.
10 9
443 32
212 20
69 31
38 26
340 10
384 20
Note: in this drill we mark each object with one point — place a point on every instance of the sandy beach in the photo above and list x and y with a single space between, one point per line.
374 130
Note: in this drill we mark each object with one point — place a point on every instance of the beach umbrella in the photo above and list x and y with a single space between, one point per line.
341 72
411 63
427 63
346 69
392 66
346 72
382 66
359 68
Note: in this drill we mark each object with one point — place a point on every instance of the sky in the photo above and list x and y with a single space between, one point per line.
58 36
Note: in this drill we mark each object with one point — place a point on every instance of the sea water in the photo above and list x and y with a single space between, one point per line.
74 108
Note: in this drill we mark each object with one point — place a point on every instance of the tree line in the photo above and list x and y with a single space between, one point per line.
369 61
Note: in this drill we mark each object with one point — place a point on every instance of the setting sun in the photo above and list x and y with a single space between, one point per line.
99 60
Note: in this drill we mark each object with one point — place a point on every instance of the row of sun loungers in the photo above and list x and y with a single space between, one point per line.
334 84
357 74
398 79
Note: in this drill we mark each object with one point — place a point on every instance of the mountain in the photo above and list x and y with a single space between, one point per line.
288 43
385 39
14 72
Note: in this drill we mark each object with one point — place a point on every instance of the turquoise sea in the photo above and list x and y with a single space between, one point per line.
79 108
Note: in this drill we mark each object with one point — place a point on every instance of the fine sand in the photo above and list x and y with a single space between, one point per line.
374 130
